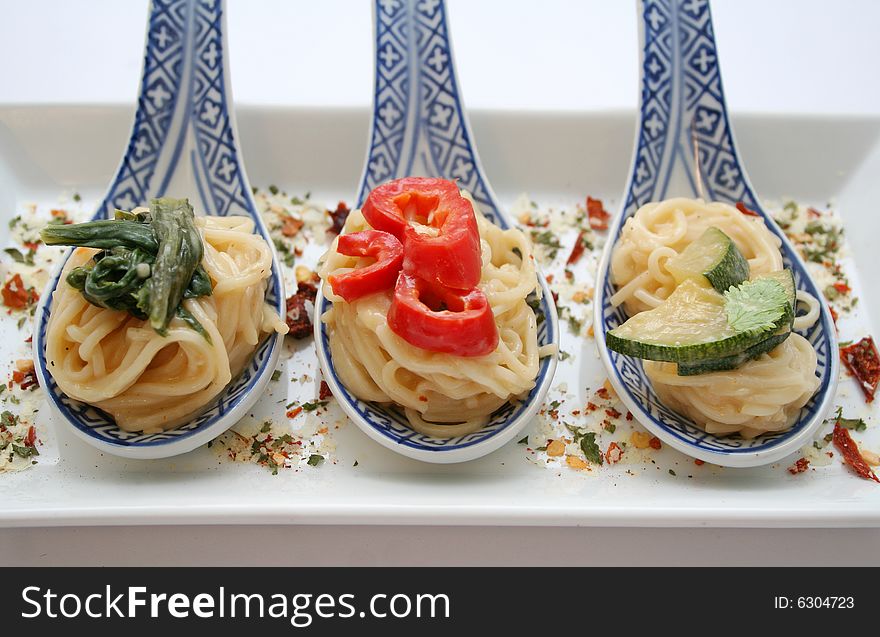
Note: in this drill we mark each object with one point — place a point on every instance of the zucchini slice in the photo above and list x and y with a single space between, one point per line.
727 363
697 324
714 256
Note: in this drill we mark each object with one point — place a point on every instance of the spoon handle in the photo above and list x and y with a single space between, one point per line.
183 140
685 140
419 124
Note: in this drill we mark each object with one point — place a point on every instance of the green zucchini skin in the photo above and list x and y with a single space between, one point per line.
712 255
728 363
731 270
685 354
728 349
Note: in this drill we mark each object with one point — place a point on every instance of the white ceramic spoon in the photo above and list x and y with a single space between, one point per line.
420 128
685 148
184 143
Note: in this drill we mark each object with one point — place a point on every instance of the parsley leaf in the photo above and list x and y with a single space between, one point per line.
755 306
590 448
18 257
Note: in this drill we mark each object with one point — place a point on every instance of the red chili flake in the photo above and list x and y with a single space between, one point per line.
297 316
324 391
746 211
555 296
16 296
31 437
813 213
576 412
293 413
612 412
842 287
851 454
60 214
655 443
549 278
629 415
32 245
863 362
602 393
834 315
17 377
578 249
338 217
800 466
597 214
699 462
291 226
613 454
423 398
591 407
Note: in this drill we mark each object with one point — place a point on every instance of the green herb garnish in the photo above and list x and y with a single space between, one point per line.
18 257
147 265
755 306
315 404
590 448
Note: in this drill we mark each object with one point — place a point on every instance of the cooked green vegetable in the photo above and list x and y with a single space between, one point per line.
697 324
149 262
727 363
105 235
180 252
714 256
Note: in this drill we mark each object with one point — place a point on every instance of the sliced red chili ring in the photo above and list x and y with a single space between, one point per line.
436 224
369 279
851 455
863 362
442 319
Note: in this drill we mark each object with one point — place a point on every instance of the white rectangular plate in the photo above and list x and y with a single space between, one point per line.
47 152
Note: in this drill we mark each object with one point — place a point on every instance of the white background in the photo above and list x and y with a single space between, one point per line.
779 56
806 56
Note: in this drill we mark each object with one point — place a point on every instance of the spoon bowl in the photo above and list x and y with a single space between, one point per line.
183 143
420 128
685 147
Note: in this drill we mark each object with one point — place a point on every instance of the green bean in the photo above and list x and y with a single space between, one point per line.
148 263
199 285
179 254
102 234
186 316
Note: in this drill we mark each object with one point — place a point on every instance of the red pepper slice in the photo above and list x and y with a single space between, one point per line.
577 251
746 211
378 276
850 450
597 214
16 296
442 319
863 362
436 225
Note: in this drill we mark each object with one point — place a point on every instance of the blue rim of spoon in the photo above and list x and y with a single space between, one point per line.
420 127
685 147
184 142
